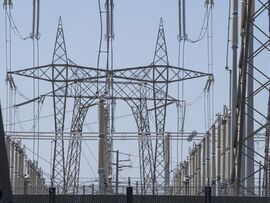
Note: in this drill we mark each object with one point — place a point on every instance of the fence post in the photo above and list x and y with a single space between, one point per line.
207 194
93 189
129 194
25 185
52 194
137 187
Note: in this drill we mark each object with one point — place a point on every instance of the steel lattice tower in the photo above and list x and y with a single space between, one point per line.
160 82
255 35
59 76
144 89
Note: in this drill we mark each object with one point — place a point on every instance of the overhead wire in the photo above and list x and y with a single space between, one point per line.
203 29
21 94
178 87
128 154
40 103
17 114
35 38
92 154
41 157
182 39
33 80
227 52
41 117
207 22
14 27
212 56
209 87
196 100
117 117
88 163
34 89
100 43
228 37
11 92
182 97
10 84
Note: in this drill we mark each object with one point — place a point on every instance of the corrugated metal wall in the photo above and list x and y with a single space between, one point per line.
136 199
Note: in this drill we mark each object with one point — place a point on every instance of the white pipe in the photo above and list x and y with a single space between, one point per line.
213 162
16 171
219 153
12 164
195 171
203 162
167 163
208 157
223 152
229 152
186 177
191 173
101 158
199 168
20 171
35 178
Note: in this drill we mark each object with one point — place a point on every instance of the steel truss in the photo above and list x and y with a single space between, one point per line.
140 112
144 88
256 34
59 79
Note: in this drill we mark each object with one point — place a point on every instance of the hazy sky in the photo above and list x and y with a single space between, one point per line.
135 27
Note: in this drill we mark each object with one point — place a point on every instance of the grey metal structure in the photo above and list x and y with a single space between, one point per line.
59 77
209 162
252 82
144 88
237 167
160 82
26 177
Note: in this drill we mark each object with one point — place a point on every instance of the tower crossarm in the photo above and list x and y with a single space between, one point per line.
75 72
145 74
79 73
